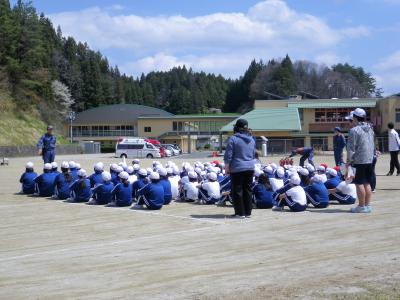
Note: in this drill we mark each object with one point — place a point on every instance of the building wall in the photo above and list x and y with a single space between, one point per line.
158 127
387 109
260 104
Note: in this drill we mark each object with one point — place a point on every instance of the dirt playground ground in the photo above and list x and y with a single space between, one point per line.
54 250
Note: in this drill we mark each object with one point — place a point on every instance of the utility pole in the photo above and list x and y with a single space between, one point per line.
71 117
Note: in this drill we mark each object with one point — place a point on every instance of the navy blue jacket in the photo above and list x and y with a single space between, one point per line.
339 142
122 194
62 186
154 194
262 196
103 192
138 185
28 182
240 153
317 192
81 194
45 184
332 183
167 190
47 143
96 178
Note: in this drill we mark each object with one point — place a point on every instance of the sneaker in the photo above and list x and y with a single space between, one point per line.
237 217
91 202
54 197
277 208
248 217
69 200
137 206
111 204
359 209
389 174
368 208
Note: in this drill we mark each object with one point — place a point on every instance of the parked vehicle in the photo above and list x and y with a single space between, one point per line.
158 145
136 148
171 148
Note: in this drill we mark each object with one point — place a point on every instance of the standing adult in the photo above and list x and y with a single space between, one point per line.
46 146
339 143
394 147
360 154
239 161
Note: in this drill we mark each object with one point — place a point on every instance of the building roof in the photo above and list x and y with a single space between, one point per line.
199 116
271 119
334 103
118 114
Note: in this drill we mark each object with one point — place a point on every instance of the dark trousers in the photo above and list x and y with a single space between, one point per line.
241 192
309 157
338 154
48 156
373 176
394 161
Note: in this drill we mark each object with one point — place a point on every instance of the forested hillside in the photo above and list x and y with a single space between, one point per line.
46 74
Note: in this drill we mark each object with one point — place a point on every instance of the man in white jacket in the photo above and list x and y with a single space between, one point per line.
394 147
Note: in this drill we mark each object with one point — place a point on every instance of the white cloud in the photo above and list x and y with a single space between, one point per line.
328 58
388 73
220 42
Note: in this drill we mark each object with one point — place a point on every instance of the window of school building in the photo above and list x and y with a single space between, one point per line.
147 129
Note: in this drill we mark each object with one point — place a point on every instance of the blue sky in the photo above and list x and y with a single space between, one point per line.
223 36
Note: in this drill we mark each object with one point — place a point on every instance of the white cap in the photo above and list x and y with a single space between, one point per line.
113 167
212 176
47 166
78 165
257 172
222 165
123 175
136 161
317 178
331 172
29 165
350 116
149 170
310 168
304 172
136 167
119 169
54 165
216 170
156 163
154 176
65 165
72 164
162 171
99 166
197 170
82 173
142 172
129 169
106 176
274 166
321 169
170 171
268 169
295 180
359 112
192 174
175 169
280 172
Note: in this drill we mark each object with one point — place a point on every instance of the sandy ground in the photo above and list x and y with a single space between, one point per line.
53 250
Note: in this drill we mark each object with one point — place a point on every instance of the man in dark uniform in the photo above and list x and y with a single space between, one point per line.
339 143
47 145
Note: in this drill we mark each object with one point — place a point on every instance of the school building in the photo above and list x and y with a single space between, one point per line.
297 122
287 123
105 124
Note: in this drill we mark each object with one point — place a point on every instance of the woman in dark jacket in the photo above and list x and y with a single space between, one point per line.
239 163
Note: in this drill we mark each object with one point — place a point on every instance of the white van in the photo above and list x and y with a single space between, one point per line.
135 148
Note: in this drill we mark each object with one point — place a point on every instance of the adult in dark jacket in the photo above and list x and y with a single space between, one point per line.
339 143
46 146
239 161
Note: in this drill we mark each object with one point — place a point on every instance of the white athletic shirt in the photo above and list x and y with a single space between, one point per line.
174 180
192 192
394 140
347 189
324 178
132 179
212 188
298 195
184 180
276 184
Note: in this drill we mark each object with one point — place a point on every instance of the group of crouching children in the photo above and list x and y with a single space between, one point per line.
203 183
